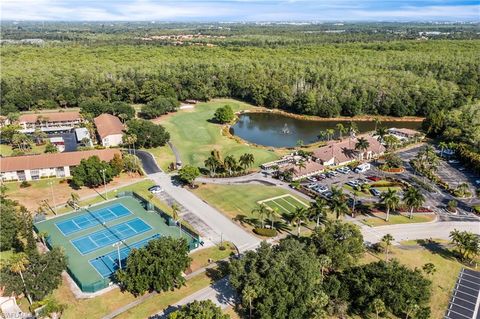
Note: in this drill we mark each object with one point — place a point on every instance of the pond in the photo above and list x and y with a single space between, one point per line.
278 130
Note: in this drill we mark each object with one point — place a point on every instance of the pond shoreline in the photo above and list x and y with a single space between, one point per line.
359 118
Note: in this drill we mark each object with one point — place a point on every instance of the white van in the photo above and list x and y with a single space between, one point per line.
362 168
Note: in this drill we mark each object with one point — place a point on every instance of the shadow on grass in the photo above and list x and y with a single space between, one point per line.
218 272
437 248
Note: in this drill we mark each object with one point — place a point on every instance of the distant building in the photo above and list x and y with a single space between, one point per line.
33 167
344 152
296 172
405 133
4 121
110 130
52 122
82 134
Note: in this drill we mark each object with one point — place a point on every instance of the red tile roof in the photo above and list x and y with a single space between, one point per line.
345 151
108 124
20 163
310 167
50 117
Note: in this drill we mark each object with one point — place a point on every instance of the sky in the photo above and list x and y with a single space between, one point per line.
240 10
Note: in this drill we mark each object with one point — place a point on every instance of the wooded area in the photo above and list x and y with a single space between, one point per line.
408 77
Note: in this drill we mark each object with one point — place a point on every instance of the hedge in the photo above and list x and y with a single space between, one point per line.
266 232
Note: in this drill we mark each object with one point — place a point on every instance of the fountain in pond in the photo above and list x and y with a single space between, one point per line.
285 129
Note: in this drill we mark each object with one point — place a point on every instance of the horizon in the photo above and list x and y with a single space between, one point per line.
240 11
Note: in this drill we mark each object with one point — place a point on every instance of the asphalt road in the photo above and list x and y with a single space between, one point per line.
148 162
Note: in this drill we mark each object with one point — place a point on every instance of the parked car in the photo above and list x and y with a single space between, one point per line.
353 183
321 189
311 179
375 192
374 178
477 182
155 189
454 161
327 194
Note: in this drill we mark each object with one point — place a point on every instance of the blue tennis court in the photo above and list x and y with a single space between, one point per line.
107 264
91 219
97 240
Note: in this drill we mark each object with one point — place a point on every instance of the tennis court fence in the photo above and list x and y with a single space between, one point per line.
170 221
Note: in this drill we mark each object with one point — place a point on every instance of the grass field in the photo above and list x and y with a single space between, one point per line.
397 219
233 200
285 204
7 150
195 137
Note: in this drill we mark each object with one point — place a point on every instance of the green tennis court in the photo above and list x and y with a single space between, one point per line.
87 236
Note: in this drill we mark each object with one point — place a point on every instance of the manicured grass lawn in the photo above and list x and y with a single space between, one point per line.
201 257
233 200
357 193
7 150
163 155
443 280
195 137
397 219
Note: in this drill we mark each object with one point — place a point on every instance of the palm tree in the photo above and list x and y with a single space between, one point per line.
248 295
321 135
362 145
387 240
272 213
462 189
330 133
442 146
319 210
338 203
391 141
246 160
299 215
230 163
262 211
352 128
341 130
18 264
414 199
381 132
391 200
212 164
301 165
75 199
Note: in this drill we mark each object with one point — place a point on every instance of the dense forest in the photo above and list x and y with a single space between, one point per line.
401 76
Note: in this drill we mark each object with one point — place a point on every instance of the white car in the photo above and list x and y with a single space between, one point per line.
453 161
155 189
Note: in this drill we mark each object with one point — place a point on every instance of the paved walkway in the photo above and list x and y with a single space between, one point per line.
178 159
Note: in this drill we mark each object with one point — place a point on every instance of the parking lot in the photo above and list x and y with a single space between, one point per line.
454 173
321 184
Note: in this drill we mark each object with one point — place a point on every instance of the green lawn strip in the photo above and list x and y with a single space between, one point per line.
443 280
41 184
357 193
397 219
293 201
281 209
384 189
163 155
195 136
200 258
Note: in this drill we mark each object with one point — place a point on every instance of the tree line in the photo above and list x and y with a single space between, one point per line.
387 78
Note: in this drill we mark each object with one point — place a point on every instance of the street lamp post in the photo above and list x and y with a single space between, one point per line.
117 244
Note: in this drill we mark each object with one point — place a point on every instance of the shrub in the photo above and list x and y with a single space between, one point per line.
266 232
25 184
476 209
